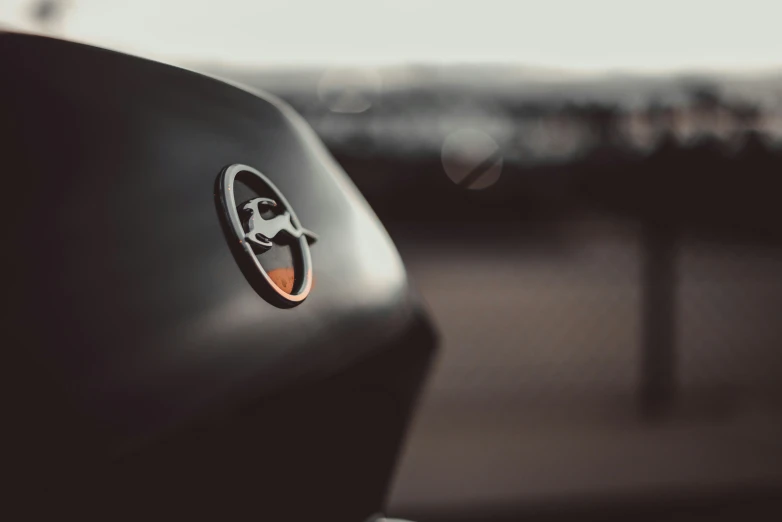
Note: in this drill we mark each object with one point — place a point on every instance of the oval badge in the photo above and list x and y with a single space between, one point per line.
258 219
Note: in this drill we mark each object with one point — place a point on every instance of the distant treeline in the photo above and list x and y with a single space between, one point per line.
704 154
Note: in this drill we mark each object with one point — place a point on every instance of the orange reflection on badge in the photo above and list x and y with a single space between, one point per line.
283 278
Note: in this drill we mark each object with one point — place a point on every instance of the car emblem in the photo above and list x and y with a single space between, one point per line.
255 222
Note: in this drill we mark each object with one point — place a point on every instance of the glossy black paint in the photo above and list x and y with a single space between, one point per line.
144 363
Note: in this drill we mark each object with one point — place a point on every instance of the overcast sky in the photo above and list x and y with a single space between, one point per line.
574 34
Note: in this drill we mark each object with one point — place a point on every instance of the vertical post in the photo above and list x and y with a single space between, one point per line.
658 344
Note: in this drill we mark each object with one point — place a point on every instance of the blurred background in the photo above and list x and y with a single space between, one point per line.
586 195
